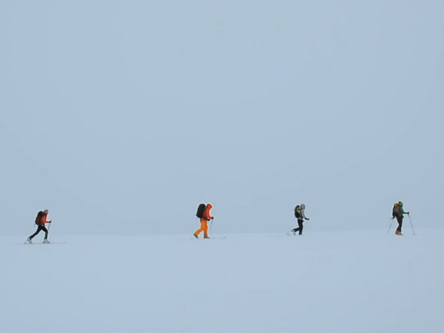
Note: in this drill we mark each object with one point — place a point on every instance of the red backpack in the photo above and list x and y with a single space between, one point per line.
39 217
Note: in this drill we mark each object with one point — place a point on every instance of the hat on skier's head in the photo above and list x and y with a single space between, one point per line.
209 205
45 211
400 203
302 206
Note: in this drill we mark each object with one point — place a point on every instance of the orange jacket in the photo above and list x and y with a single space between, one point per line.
207 213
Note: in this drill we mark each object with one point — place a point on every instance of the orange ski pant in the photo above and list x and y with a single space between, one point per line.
203 227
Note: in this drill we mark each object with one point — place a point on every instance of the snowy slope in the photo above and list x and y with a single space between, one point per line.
331 282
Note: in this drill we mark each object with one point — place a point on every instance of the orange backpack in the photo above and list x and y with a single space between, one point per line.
395 211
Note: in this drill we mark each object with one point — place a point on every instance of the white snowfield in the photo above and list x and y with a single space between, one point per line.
347 282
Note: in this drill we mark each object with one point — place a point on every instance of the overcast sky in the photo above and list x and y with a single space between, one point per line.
122 116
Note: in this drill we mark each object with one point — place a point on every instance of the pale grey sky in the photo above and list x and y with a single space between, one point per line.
125 115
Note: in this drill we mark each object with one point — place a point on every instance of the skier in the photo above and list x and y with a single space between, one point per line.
205 216
40 220
398 212
299 213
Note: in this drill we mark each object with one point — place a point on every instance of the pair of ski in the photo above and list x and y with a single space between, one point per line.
223 237
26 243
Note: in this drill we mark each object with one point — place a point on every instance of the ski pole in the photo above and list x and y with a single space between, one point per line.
410 219
390 226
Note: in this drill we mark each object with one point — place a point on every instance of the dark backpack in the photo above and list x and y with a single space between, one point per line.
38 217
297 213
201 210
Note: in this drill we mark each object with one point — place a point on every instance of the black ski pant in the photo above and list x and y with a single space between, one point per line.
40 228
300 227
399 219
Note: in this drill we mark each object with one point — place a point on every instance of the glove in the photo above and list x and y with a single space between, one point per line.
408 213
307 219
212 217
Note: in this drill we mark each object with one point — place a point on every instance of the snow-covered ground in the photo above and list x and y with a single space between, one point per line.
321 282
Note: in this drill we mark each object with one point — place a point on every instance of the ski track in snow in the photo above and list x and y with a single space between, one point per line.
320 282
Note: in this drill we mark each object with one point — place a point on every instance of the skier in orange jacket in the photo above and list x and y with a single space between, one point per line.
206 216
